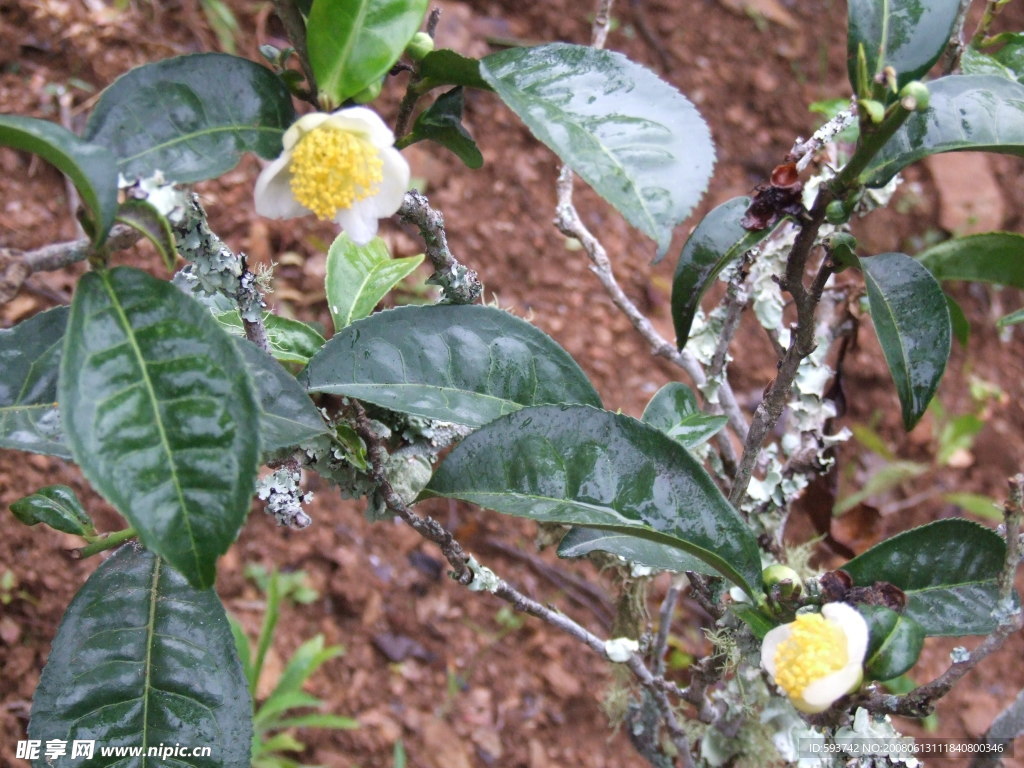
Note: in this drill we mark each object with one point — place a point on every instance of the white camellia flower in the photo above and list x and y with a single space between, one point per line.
341 166
819 657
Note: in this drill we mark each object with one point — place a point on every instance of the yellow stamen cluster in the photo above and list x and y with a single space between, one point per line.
331 169
814 649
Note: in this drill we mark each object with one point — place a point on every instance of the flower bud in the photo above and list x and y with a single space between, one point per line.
369 93
914 96
420 45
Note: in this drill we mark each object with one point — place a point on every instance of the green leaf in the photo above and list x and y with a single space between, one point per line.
948 569
976 504
191 117
466 364
153 225
958 321
160 415
966 112
359 276
90 167
1008 61
442 122
907 35
56 506
992 257
353 43
578 465
894 642
446 67
674 411
143 659
717 240
579 541
291 341
630 135
319 720
29 364
287 415
912 322
1014 318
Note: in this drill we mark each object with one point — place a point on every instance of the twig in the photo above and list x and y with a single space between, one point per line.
412 89
295 28
17 266
665 613
426 527
1012 514
459 284
950 59
569 223
921 701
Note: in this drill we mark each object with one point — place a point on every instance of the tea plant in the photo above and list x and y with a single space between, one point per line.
170 395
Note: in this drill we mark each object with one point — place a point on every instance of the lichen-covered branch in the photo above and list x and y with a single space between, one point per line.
459 284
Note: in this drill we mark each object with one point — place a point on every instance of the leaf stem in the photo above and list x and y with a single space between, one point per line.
105 542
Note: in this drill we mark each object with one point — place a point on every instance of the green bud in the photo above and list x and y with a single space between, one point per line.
369 93
777 573
420 45
875 110
842 247
836 212
914 96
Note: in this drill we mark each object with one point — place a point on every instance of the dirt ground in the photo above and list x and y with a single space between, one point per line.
449 673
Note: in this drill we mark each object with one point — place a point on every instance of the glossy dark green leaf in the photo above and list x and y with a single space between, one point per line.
446 67
191 117
29 366
442 122
959 324
161 415
291 341
1007 61
912 322
580 541
894 642
717 240
907 35
153 225
287 415
948 569
56 506
630 135
359 276
462 363
353 43
90 167
142 659
992 257
674 411
578 465
966 112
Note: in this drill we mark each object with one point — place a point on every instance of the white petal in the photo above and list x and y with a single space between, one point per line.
394 183
365 122
771 643
854 627
301 127
359 221
819 695
273 192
